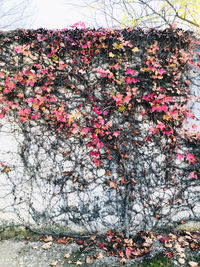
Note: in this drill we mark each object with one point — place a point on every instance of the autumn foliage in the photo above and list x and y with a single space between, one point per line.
121 79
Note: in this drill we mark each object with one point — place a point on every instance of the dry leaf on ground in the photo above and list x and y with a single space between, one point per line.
193 264
54 263
89 260
78 263
100 256
47 245
181 260
48 238
67 256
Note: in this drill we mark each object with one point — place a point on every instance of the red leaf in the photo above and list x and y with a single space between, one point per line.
101 245
169 254
128 252
113 184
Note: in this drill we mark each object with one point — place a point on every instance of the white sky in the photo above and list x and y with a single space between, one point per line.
51 14
57 14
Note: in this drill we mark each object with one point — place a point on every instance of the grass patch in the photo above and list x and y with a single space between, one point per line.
17 233
158 261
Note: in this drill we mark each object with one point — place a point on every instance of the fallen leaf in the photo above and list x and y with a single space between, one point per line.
93 237
173 237
49 238
78 263
101 245
128 252
54 263
168 245
47 245
178 248
182 255
136 253
108 173
113 184
181 239
123 261
69 262
181 261
6 169
100 256
194 246
148 242
79 242
193 264
89 260
188 237
158 216
66 256
169 254
185 244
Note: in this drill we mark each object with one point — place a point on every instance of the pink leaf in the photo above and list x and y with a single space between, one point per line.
18 49
35 116
30 100
127 99
161 71
168 132
94 153
97 162
193 175
180 156
52 99
116 133
160 126
130 71
191 158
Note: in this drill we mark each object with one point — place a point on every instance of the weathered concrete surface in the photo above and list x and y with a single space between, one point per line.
17 253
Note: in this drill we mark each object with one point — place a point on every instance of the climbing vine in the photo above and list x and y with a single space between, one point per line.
118 91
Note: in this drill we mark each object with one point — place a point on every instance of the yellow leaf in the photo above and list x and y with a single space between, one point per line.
135 49
111 54
122 108
117 46
132 22
165 117
55 58
112 93
78 115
